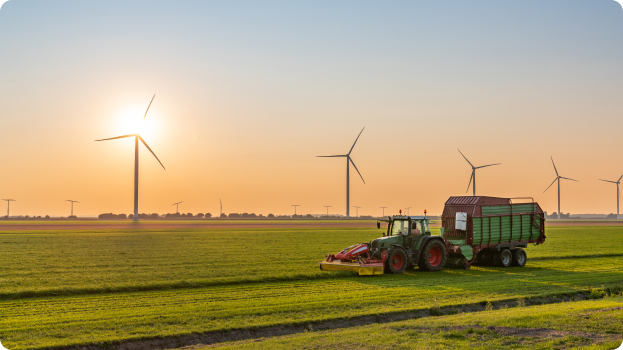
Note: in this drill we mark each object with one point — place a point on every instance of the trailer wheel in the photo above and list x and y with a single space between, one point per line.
519 257
396 261
487 258
503 258
433 256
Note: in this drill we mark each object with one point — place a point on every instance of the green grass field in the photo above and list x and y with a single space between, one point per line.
583 324
70 288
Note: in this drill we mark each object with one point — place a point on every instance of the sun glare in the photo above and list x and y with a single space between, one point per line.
130 121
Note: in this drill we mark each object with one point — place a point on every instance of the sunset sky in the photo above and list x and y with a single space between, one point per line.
248 93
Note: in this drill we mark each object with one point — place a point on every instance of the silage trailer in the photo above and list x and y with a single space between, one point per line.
474 230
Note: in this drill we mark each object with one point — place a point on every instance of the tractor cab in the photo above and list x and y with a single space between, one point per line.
406 225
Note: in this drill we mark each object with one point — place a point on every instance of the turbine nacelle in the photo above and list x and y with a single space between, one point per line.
474 168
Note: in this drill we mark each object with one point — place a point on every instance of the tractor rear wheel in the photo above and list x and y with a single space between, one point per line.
503 258
519 257
433 257
396 261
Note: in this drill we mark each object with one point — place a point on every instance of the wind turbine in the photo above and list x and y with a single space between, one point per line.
558 177
177 206
407 208
328 206
474 173
72 205
295 205
383 210
348 161
137 137
8 204
357 210
618 193
221 202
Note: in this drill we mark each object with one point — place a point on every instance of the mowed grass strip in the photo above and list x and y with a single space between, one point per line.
595 324
39 263
71 320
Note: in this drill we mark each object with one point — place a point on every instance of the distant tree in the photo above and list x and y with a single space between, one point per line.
309 216
223 215
233 215
611 216
270 216
244 215
208 215
189 215
199 215
260 215
47 216
154 216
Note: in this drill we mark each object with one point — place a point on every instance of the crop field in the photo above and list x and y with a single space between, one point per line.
62 288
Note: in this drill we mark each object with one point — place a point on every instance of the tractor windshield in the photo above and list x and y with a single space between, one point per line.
400 227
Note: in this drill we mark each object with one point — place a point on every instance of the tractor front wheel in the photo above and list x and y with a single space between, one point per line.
396 261
433 257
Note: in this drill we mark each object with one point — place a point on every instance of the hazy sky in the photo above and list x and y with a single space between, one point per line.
248 93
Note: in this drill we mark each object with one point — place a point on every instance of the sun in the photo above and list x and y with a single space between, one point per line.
130 121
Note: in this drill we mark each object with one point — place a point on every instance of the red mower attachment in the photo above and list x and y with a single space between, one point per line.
355 258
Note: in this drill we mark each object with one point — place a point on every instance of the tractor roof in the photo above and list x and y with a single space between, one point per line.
401 217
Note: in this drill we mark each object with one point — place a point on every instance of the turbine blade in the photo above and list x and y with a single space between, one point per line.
332 156
118 137
470 181
619 180
550 185
554 166
152 152
484 166
607 181
465 157
351 160
566 178
152 100
351 149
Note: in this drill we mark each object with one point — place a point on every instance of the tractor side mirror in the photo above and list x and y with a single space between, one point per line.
378 224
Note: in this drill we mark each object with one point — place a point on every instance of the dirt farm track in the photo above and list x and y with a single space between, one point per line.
192 224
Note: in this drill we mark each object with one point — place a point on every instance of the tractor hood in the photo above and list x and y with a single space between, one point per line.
385 243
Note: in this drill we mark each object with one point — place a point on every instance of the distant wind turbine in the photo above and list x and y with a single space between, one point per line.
349 160
357 210
383 210
8 204
72 205
295 205
407 209
473 177
221 202
618 193
558 177
328 206
177 206
137 137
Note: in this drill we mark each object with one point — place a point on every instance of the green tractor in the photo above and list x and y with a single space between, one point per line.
406 243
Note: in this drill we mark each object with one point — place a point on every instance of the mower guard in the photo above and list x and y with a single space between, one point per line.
362 269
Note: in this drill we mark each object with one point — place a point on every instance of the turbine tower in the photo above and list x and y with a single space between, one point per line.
137 137
177 206
618 193
349 160
558 177
72 205
8 204
474 173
